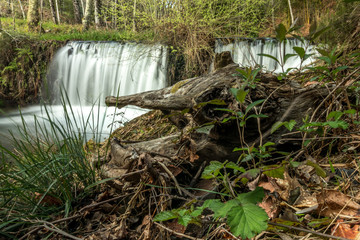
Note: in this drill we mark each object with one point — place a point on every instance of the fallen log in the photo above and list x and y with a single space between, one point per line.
194 104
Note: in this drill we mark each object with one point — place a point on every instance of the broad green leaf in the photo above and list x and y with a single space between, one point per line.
247 220
336 115
287 56
241 95
350 111
253 104
222 210
326 59
319 171
295 164
275 171
164 216
307 56
281 32
269 56
338 124
276 126
300 51
252 197
212 170
234 166
213 204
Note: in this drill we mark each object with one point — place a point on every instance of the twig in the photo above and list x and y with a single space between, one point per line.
57 230
193 181
176 233
306 230
172 176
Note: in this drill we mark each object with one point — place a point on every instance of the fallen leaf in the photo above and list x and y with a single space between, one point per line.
332 203
346 231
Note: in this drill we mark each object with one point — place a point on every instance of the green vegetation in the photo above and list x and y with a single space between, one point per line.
48 175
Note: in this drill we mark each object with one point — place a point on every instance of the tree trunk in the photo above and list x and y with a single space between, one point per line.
77 12
33 14
134 16
52 9
22 9
97 13
291 13
87 15
57 11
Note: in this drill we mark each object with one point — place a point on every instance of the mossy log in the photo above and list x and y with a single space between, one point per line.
191 105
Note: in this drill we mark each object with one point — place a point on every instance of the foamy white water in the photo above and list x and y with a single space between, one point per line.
245 52
87 72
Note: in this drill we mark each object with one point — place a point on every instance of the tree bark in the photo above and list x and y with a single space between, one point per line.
22 9
291 12
87 15
97 13
57 11
33 14
52 9
77 12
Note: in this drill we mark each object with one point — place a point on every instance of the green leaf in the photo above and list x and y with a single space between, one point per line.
337 124
319 32
319 171
313 28
300 51
212 170
295 164
205 129
165 216
234 166
247 220
338 69
257 116
253 104
185 219
241 95
252 197
336 115
269 56
350 111
276 126
275 171
326 59
287 56
290 125
281 32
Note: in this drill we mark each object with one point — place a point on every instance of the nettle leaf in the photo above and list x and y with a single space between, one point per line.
247 220
290 125
334 114
185 219
275 171
337 124
253 197
212 170
165 216
232 165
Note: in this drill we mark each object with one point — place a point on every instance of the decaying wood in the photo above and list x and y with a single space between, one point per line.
283 101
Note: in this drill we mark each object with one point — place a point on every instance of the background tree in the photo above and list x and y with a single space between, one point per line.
33 13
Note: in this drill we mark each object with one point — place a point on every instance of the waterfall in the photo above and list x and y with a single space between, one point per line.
87 72
90 71
245 52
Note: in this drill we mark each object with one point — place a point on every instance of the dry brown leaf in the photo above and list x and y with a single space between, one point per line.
332 202
176 227
271 206
174 170
48 200
346 231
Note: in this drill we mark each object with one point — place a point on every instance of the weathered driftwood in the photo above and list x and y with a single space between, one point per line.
283 101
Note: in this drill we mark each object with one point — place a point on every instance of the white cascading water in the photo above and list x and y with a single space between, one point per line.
88 72
245 52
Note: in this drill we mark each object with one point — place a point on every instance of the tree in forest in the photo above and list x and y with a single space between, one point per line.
87 15
33 14
77 11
